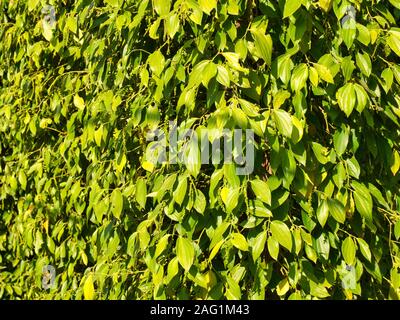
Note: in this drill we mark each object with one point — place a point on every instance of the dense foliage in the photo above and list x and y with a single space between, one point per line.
83 82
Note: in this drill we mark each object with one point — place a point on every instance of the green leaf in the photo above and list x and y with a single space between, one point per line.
185 253
22 179
393 40
98 136
387 77
233 7
233 60
230 197
322 246
311 253
261 190
117 203
325 5
223 76
353 167
362 97
88 288
156 62
396 163
324 73
339 175
230 175
283 122
347 67
240 117
337 210
320 152
141 192
283 287
397 230
215 250
363 34
161 245
100 209
32 4
263 44
209 72
297 131
79 102
285 66
291 6
273 248
280 97
47 30
249 108
348 32
349 251
363 61
258 209
313 76
364 248
239 241
395 3
162 7
193 159
318 290
363 200
346 98
172 25
281 233
172 269
200 202
233 291
341 139
299 77
258 245
180 192
218 234
72 24
323 212
154 28
288 167
207 5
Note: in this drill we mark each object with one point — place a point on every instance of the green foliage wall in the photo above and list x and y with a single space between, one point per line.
81 85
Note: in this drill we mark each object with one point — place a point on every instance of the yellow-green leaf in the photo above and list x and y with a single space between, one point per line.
207 5
117 203
349 251
283 122
258 245
215 250
79 102
261 190
185 253
141 192
239 241
263 45
88 288
337 210
396 162
162 7
324 73
281 233
393 41
291 6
